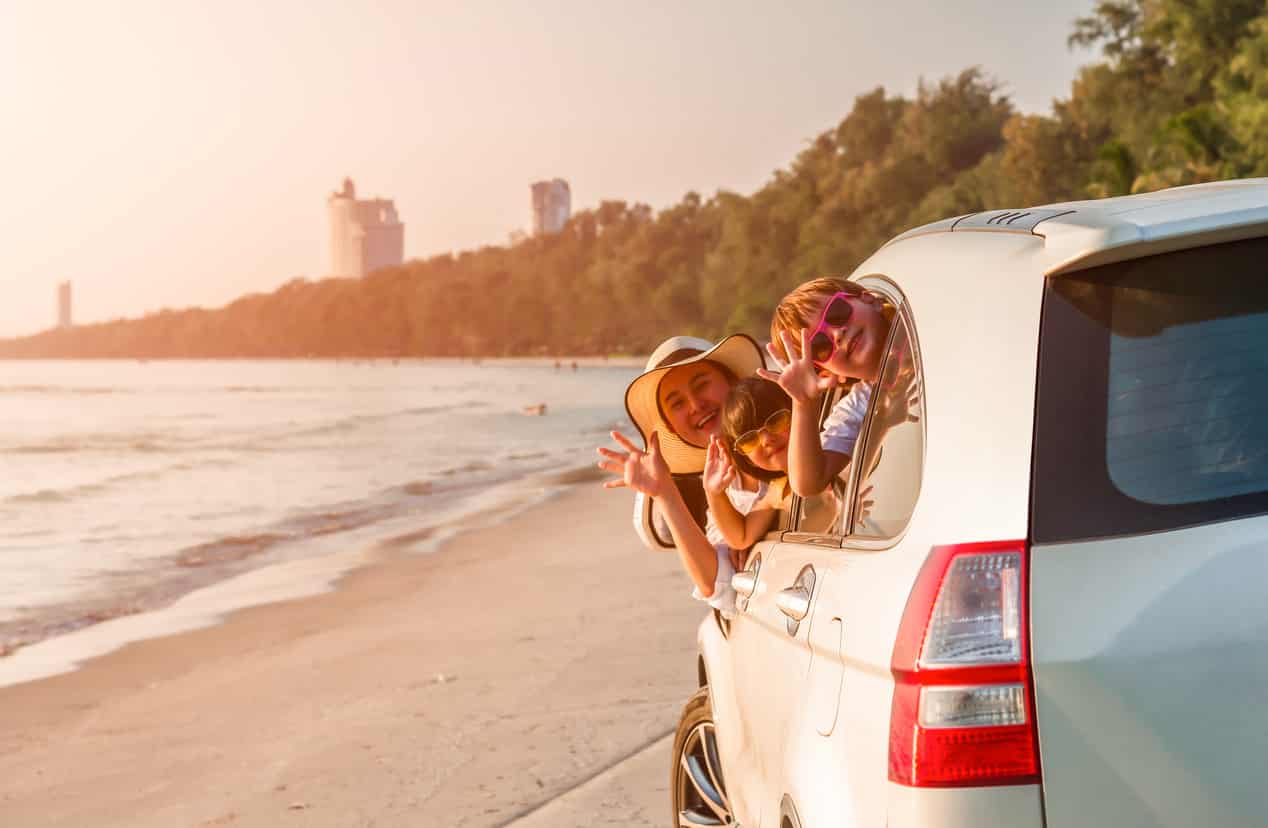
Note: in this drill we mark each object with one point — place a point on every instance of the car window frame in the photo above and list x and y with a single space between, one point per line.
885 286
794 512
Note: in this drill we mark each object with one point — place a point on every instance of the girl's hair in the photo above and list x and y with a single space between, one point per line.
795 311
750 402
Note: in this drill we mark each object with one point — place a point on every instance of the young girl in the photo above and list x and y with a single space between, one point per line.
826 332
745 472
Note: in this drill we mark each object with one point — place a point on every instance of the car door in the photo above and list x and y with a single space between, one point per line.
1149 522
887 483
806 614
771 638
835 760
770 642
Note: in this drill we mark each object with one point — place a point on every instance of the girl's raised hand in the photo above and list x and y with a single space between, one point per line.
719 471
642 471
800 377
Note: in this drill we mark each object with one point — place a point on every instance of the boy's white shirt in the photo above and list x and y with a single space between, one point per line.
841 428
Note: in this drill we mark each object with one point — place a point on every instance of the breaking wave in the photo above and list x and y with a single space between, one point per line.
71 493
91 390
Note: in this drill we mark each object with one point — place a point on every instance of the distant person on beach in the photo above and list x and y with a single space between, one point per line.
746 466
676 404
827 332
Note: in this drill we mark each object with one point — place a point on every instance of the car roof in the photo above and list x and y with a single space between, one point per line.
1079 234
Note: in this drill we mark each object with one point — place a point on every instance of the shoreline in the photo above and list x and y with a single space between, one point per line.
615 360
475 684
211 601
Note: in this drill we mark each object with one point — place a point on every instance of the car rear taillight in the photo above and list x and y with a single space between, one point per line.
963 709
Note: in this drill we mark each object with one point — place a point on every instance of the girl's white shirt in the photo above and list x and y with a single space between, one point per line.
744 501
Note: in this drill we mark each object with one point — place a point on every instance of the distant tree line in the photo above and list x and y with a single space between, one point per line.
1180 96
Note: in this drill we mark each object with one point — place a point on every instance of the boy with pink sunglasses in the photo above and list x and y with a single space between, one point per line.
826 332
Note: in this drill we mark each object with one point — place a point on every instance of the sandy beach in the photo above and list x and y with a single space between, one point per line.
486 682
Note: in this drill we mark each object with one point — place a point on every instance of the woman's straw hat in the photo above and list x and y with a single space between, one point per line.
738 353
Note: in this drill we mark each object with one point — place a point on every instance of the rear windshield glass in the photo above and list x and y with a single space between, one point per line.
1153 394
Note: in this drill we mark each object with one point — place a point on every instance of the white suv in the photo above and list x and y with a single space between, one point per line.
1054 610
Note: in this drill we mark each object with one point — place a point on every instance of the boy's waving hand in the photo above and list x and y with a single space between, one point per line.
800 377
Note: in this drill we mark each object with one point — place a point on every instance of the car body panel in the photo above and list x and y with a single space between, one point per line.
1150 660
841 775
968 299
773 675
1080 234
1017 806
732 726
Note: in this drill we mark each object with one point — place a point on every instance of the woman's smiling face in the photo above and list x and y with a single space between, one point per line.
691 398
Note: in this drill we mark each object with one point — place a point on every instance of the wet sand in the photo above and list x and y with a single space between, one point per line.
464 687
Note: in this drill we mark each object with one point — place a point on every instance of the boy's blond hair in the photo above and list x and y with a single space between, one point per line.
796 310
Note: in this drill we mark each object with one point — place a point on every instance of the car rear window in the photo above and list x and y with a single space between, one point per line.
1153 394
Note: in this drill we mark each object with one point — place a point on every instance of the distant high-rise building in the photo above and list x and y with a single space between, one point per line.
552 206
63 305
364 235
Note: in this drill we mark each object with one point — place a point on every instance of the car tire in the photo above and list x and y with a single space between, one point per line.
695 780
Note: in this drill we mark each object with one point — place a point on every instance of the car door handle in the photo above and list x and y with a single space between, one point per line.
744 583
794 602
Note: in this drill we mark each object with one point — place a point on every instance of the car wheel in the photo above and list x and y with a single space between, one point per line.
696 777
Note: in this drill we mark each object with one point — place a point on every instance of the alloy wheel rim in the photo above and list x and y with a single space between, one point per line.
701 790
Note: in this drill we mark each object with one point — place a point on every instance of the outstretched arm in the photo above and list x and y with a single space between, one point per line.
647 472
810 468
719 473
756 524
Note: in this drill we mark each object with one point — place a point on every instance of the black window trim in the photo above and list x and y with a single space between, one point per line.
814 538
1152 519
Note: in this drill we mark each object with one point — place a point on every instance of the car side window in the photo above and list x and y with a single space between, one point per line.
823 514
1153 396
890 459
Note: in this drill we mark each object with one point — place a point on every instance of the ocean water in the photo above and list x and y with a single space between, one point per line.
125 485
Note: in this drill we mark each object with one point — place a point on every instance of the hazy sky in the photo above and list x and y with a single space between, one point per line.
167 154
